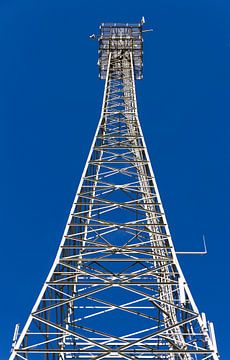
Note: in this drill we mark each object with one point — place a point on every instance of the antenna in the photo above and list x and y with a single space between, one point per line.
142 20
116 289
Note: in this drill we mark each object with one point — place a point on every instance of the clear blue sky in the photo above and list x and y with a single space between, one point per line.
50 104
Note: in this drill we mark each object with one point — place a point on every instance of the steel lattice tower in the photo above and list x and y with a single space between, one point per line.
116 290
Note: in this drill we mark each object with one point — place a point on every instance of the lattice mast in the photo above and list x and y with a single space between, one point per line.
116 290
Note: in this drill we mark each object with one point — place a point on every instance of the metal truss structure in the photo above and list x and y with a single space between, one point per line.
116 290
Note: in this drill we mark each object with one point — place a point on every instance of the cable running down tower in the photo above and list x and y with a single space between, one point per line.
116 290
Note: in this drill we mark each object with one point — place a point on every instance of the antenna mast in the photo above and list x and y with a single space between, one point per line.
116 289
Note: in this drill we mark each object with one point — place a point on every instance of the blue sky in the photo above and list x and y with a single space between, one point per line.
50 105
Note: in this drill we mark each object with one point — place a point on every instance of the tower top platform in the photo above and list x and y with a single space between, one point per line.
118 39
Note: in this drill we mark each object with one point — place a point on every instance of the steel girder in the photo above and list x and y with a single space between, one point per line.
116 290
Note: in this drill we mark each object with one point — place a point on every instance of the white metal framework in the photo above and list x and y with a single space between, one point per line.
116 290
